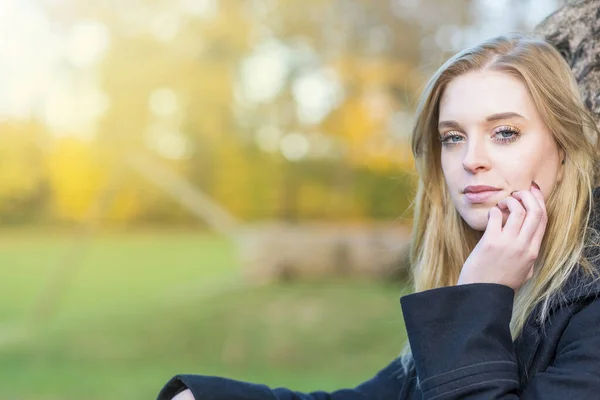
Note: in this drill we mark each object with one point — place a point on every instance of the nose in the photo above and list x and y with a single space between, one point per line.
476 158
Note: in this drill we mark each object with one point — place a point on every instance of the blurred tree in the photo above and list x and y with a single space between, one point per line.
23 173
243 96
76 177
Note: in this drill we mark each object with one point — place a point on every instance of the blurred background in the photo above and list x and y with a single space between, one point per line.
218 187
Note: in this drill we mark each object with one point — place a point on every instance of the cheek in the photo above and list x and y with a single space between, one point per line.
517 163
453 173
450 167
546 177
516 175
520 170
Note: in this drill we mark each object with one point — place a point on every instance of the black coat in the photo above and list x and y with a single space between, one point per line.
463 349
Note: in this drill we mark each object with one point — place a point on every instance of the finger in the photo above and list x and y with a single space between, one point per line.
494 224
505 212
539 196
534 216
538 236
516 217
530 274
504 207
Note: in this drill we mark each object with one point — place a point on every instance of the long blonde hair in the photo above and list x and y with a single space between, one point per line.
436 254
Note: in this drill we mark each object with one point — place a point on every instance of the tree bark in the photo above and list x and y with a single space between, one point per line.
575 31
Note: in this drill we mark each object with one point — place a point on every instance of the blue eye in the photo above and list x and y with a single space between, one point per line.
450 139
504 134
507 134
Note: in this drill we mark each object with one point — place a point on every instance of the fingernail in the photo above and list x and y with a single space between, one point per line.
535 185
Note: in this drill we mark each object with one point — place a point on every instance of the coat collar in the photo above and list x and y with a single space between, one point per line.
580 285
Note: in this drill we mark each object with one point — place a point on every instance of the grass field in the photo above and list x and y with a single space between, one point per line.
142 307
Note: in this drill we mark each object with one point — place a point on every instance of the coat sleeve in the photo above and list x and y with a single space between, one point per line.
386 385
575 372
462 347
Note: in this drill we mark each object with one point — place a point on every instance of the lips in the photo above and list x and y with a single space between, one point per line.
479 188
480 193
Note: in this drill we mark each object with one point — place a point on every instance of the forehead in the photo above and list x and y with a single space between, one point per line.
477 94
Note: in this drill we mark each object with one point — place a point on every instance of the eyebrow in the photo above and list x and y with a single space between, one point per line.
493 117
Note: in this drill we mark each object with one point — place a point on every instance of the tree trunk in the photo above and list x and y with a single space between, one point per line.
575 31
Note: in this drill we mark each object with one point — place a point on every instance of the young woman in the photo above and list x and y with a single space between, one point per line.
504 250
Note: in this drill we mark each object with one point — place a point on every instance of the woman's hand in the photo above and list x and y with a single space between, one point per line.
185 395
506 255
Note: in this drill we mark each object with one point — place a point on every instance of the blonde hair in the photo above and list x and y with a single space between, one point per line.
436 256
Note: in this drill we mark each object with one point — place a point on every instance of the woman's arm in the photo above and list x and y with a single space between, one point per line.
461 341
386 385
462 347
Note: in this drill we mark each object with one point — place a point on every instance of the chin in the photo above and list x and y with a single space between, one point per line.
476 220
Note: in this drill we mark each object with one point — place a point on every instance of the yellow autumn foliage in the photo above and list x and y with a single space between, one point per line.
22 164
76 177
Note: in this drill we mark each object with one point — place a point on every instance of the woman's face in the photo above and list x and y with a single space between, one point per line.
492 135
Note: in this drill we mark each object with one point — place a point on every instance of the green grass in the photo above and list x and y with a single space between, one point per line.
143 307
